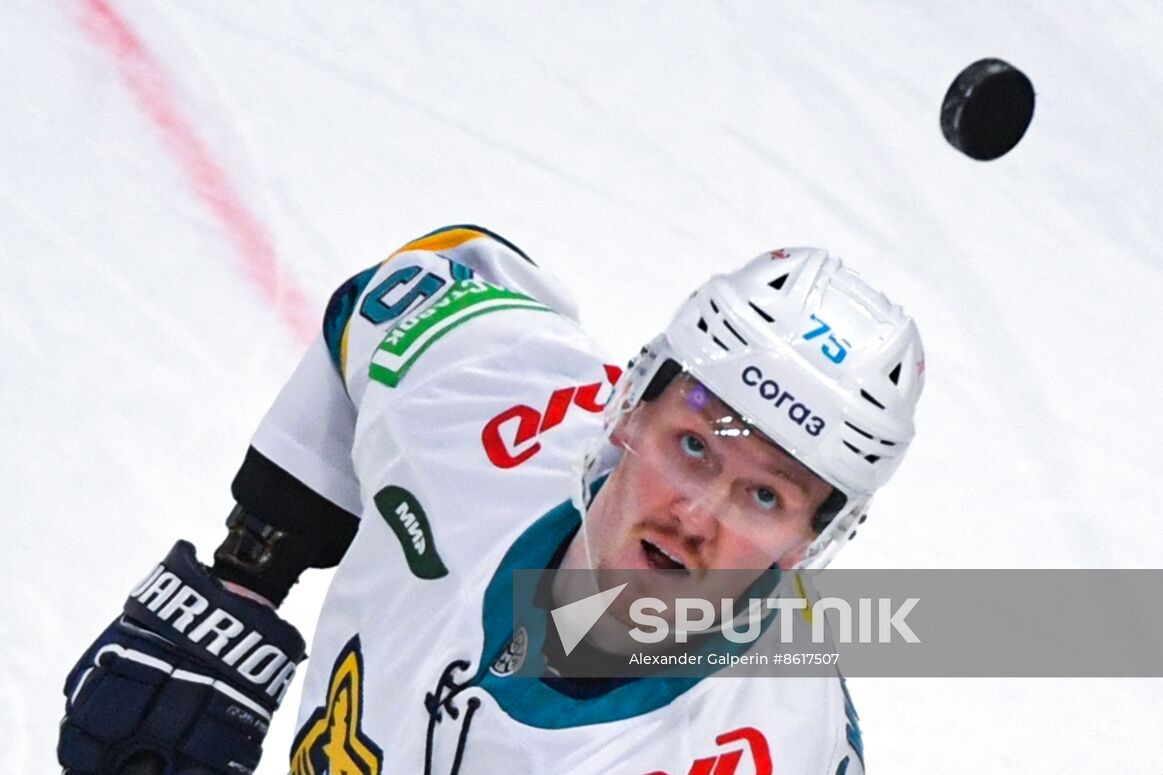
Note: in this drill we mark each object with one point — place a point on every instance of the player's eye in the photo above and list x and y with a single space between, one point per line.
766 498
692 446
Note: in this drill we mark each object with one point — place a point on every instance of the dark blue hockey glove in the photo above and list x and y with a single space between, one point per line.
183 683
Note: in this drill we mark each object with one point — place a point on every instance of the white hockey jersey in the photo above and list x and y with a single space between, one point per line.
447 405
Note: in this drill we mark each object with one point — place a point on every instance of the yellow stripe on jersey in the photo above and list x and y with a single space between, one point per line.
442 240
343 351
802 591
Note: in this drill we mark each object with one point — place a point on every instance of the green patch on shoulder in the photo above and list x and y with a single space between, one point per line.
408 520
464 300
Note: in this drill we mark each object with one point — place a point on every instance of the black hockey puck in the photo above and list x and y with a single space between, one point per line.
987 109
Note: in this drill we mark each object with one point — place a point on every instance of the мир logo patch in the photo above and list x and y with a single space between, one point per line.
408 520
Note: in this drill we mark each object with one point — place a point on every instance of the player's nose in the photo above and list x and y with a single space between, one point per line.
700 512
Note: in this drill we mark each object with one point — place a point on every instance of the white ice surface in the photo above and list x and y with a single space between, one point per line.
631 148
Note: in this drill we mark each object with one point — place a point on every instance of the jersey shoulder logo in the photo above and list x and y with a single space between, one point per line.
332 740
462 301
408 520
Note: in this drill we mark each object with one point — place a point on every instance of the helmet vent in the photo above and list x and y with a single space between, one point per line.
895 374
715 308
870 458
867 397
778 282
761 313
706 329
865 434
731 328
888 443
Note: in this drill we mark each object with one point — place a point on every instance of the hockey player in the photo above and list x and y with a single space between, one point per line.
453 424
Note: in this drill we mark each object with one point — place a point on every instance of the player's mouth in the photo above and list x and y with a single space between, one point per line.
660 559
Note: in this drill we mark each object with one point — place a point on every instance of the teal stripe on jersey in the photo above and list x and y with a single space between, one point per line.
853 728
339 311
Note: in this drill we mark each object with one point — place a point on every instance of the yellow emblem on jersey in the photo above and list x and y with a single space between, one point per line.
332 741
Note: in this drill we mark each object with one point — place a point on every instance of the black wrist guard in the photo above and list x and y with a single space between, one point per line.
264 559
279 528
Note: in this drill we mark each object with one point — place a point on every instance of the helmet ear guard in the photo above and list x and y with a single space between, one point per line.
825 366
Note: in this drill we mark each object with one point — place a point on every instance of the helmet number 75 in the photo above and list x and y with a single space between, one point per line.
834 349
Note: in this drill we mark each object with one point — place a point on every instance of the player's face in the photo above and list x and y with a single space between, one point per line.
698 489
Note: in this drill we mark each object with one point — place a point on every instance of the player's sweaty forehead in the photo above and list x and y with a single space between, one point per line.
686 399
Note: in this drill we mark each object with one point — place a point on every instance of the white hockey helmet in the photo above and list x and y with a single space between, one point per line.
809 354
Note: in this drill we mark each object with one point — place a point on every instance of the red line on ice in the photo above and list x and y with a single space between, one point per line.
146 79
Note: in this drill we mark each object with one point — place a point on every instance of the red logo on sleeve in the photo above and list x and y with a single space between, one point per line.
754 748
510 438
